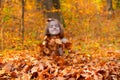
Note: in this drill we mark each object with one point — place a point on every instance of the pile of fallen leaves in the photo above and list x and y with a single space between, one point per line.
72 66
54 45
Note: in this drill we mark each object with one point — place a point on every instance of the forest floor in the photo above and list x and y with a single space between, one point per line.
102 64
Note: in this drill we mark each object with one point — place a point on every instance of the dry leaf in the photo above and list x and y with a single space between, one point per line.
60 78
58 41
2 71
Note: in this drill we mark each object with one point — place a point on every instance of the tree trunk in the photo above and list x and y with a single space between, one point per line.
47 4
110 8
52 9
22 20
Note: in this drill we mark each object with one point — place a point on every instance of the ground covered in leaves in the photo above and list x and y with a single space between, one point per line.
20 65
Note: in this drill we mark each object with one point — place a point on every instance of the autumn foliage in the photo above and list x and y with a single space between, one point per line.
94 53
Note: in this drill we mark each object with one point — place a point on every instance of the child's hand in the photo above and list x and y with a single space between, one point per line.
64 40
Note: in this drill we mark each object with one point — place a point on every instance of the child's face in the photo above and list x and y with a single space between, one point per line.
54 28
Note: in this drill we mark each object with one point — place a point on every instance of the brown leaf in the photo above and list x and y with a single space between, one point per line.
14 74
41 66
27 68
52 42
8 67
26 77
2 71
46 50
60 60
34 75
56 72
58 41
40 76
60 78
34 69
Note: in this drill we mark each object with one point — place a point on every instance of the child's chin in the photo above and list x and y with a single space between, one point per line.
54 34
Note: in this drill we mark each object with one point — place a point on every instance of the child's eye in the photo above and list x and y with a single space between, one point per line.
51 26
56 25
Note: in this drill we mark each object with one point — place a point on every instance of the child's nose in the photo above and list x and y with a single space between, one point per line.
54 27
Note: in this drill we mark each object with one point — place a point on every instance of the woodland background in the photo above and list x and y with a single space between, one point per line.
88 23
92 26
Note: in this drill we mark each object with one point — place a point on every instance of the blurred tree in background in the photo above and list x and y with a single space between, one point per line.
110 8
22 20
52 9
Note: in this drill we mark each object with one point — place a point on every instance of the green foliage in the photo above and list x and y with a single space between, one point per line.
7 14
6 10
6 18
